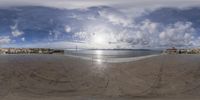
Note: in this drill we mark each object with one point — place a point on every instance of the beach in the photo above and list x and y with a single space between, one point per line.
58 77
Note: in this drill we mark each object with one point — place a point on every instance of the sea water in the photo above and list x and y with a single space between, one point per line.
97 53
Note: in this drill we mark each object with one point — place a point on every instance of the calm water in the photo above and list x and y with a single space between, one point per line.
111 53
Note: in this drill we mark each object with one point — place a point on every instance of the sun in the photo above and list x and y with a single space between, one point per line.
99 39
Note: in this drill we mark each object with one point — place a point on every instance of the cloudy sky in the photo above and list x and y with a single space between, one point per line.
105 24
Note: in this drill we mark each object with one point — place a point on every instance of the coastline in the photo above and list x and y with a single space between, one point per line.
113 60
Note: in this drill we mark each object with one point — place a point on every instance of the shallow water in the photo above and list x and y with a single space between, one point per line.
112 53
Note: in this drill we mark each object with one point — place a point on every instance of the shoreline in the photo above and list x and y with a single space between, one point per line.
114 60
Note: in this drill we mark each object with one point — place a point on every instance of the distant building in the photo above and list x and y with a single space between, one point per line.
182 51
172 50
30 51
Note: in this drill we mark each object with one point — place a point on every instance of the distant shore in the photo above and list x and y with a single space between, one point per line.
30 51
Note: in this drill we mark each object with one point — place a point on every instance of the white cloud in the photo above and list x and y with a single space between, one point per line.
127 4
4 40
50 33
99 36
23 39
59 45
67 29
15 32
116 18
150 34
179 33
146 34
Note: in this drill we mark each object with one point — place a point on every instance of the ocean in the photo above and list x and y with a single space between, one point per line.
97 53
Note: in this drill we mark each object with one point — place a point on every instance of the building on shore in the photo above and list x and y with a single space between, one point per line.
30 51
174 50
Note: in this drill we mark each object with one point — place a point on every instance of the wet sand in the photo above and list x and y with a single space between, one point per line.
57 77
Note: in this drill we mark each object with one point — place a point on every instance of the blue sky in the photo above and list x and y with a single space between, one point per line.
124 24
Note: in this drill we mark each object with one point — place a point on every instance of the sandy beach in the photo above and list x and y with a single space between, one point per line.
57 77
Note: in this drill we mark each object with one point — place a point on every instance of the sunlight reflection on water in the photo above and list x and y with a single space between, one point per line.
99 58
102 56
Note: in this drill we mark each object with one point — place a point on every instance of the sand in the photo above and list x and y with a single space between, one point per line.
57 77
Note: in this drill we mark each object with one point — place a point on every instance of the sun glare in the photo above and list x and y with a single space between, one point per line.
99 39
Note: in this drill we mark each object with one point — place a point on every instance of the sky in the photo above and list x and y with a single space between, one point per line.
100 24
